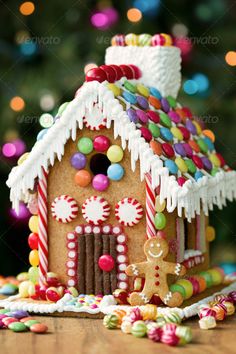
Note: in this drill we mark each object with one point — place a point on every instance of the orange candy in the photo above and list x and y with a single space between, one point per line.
83 178
181 113
209 134
120 314
202 283
156 147
154 102
194 145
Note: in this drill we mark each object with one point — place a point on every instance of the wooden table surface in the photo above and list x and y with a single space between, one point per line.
87 336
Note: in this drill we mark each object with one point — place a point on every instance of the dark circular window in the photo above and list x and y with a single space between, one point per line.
99 163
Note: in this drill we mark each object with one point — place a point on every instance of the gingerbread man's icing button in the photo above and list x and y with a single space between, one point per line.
64 209
157 275
157 283
156 267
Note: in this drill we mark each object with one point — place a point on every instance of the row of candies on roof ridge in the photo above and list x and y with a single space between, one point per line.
142 40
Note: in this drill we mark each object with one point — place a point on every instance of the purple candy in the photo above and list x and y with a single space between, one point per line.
142 116
174 117
19 314
188 149
206 163
179 149
132 115
165 105
78 160
191 127
143 103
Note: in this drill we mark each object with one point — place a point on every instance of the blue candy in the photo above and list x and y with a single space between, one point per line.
198 175
166 134
172 167
154 92
129 97
115 172
41 134
209 143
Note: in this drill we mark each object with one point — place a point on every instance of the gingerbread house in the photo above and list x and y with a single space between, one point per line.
122 162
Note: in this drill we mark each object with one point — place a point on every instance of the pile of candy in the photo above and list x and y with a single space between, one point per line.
82 302
19 321
144 321
142 40
223 305
8 285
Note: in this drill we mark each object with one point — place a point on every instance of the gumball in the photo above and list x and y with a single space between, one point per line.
78 160
106 262
34 258
83 178
160 221
101 143
115 153
115 172
120 296
85 145
33 241
118 40
34 274
34 223
96 74
100 182
23 158
157 40
52 279
33 206
52 294
24 288
131 39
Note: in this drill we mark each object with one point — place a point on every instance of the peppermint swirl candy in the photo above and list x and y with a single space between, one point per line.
111 321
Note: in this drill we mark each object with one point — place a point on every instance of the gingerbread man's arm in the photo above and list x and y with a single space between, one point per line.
136 269
175 268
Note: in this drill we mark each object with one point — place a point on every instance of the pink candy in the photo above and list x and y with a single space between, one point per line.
168 334
155 334
206 311
135 315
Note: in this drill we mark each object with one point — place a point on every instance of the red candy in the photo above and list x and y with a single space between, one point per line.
188 150
168 150
137 72
185 132
119 72
207 311
155 334
198 162
110 72
101 143
127 71
106 262
153 116
8 320
195 284
52 294
168 334
187 112
42 292
146 134
181 181
33 240
135 315
220 157
96 74
121 296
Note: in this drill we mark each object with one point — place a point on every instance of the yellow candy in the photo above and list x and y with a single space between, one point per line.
177 133
181 164
217 277
24 288
23 158
168 39
149 312
198 127
159 206
230 308
143 90
209 134
34 258
131 39
187 285
115 89
34 274
34 223
214 159
31 290
210 233
115 153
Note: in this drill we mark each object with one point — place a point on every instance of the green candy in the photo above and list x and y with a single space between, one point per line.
62 108
17 327
191 166
85 145
214 171
184 333
130 87
139 329
3 311
160 321
171 101
160 221
111 321
207 276
30 323
165 120
203 146
179 289
172 317
154 129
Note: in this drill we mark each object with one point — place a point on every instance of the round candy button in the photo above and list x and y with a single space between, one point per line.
154 102
143 90
209 143
85 145
143 117
194 146
206 163
191 127
110 72
188 150
167 150
129 97
101 143
165 105
171 101
142 102
208 133
166 134
115 153
100 182
106 262
198 162
115 89
154 92
203 146
185 133
83 178
78 160
156 147
96 74
191 166
215 160
132 115
172 167
181 181
130 87
115 172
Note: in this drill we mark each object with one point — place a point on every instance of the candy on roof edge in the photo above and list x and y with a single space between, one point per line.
191 198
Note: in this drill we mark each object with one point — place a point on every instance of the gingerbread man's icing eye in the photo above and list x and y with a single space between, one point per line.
152 245
158 245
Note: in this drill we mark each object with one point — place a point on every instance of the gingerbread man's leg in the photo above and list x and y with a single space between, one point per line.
170 299
138 299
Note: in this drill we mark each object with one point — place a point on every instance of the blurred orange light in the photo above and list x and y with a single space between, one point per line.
134 15
89 66
27 8
230 58
17 104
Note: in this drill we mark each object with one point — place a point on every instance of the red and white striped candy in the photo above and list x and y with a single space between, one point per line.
206 311
95 210
94 119
64 209
128 211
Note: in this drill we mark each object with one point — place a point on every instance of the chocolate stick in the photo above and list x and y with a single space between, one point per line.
98 248
106 275
81 264
113 272
89 285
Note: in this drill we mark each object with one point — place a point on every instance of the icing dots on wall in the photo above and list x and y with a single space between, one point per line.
95 210
128 211
97 162
64 208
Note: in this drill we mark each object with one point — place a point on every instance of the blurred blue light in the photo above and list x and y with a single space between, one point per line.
28 48
228 267
147 7
190 87
202 82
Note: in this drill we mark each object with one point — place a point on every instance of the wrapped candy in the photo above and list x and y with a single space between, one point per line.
139 329
206 311
169 334
126 327
135 315
208 322
111 321
119 314
149 312
172 317
230 309
184 333
221 311
155 333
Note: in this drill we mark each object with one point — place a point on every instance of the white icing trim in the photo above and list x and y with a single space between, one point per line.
188 199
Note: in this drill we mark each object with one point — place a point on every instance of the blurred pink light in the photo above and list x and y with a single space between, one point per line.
20 147
99 20
105 18
8 150
23 212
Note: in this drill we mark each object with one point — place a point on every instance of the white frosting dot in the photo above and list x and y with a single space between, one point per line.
70 264
71 254
71 282
70 236
71 272
122 285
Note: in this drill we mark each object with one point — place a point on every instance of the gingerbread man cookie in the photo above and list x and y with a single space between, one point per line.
155 271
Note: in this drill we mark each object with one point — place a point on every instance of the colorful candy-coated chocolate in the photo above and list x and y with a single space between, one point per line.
166 134
115 153
221 159
139 329
96 74
153 116
172 167
106 262
100 182
181 181
198 127
185 132
110 321
85 145
83 178
191 127
143 90
34 223
17 327
156 147
115 172
114 88
132 115
167 150
177 133
191 166
181 164
165 120
155 333
39 328
155 102
142 102
78 160
154 129
208 322
33 240
146 134
25 319
8 289
160 221
130 87
8 320
209 143
215 160
142 116
208 133
198 175
29 323
174 117
188 150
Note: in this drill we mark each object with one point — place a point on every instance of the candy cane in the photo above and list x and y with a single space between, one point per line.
43 236
150 207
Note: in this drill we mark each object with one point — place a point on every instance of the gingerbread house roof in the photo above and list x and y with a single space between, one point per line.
163 136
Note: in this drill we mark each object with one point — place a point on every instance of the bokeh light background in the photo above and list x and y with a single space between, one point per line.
45 49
